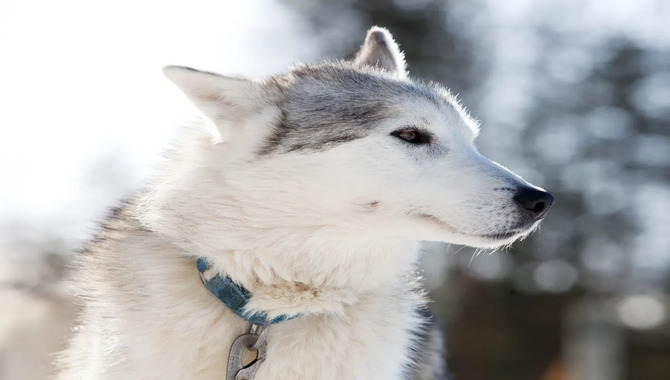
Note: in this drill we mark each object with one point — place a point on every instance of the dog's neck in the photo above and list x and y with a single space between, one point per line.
294 270
316 278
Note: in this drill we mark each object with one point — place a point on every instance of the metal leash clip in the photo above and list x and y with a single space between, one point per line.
255 340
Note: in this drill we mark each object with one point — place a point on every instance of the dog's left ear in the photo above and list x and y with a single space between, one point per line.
228 102
380 50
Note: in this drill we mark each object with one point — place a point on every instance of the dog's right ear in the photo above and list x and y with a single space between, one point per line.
226 101
380 50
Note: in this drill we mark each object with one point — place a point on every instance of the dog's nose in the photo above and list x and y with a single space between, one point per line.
536 202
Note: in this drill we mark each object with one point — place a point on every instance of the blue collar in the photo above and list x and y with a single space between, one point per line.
233 295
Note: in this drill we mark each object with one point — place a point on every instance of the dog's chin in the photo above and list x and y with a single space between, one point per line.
485 240
495 240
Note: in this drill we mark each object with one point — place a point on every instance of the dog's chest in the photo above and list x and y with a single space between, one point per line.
370 341
359 346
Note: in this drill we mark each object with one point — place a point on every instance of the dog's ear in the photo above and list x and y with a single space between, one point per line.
380 50
226 101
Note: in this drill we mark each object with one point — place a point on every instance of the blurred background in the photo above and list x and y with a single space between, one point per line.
573 96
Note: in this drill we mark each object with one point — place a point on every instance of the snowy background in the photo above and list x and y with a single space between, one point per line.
574 96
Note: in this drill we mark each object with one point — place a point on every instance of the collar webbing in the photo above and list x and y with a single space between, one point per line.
233 295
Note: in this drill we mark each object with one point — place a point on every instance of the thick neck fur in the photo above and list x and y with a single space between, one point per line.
293 256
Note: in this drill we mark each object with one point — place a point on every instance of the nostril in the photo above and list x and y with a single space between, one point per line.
539 207
536 201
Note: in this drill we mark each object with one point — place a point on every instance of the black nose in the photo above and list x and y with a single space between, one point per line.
536 202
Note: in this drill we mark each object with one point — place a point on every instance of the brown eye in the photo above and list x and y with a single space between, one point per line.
412 136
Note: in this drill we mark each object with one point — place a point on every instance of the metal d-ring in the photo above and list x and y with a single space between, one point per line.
262 334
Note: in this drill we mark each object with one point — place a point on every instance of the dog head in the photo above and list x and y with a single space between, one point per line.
356 148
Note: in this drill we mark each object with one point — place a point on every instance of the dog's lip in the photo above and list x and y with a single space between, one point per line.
495 237
501 235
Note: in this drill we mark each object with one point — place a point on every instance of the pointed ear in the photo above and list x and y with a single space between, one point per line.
224 100
380 50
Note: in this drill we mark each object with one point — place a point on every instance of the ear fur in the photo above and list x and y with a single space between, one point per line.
380 50
223 100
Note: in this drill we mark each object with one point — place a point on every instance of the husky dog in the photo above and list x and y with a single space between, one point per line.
307 194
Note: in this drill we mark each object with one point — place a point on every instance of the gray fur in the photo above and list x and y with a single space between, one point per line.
336 102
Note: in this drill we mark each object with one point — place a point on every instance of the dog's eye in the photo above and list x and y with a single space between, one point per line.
412 136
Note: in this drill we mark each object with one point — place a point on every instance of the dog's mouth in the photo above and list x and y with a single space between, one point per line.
501 235
513 233
495 237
